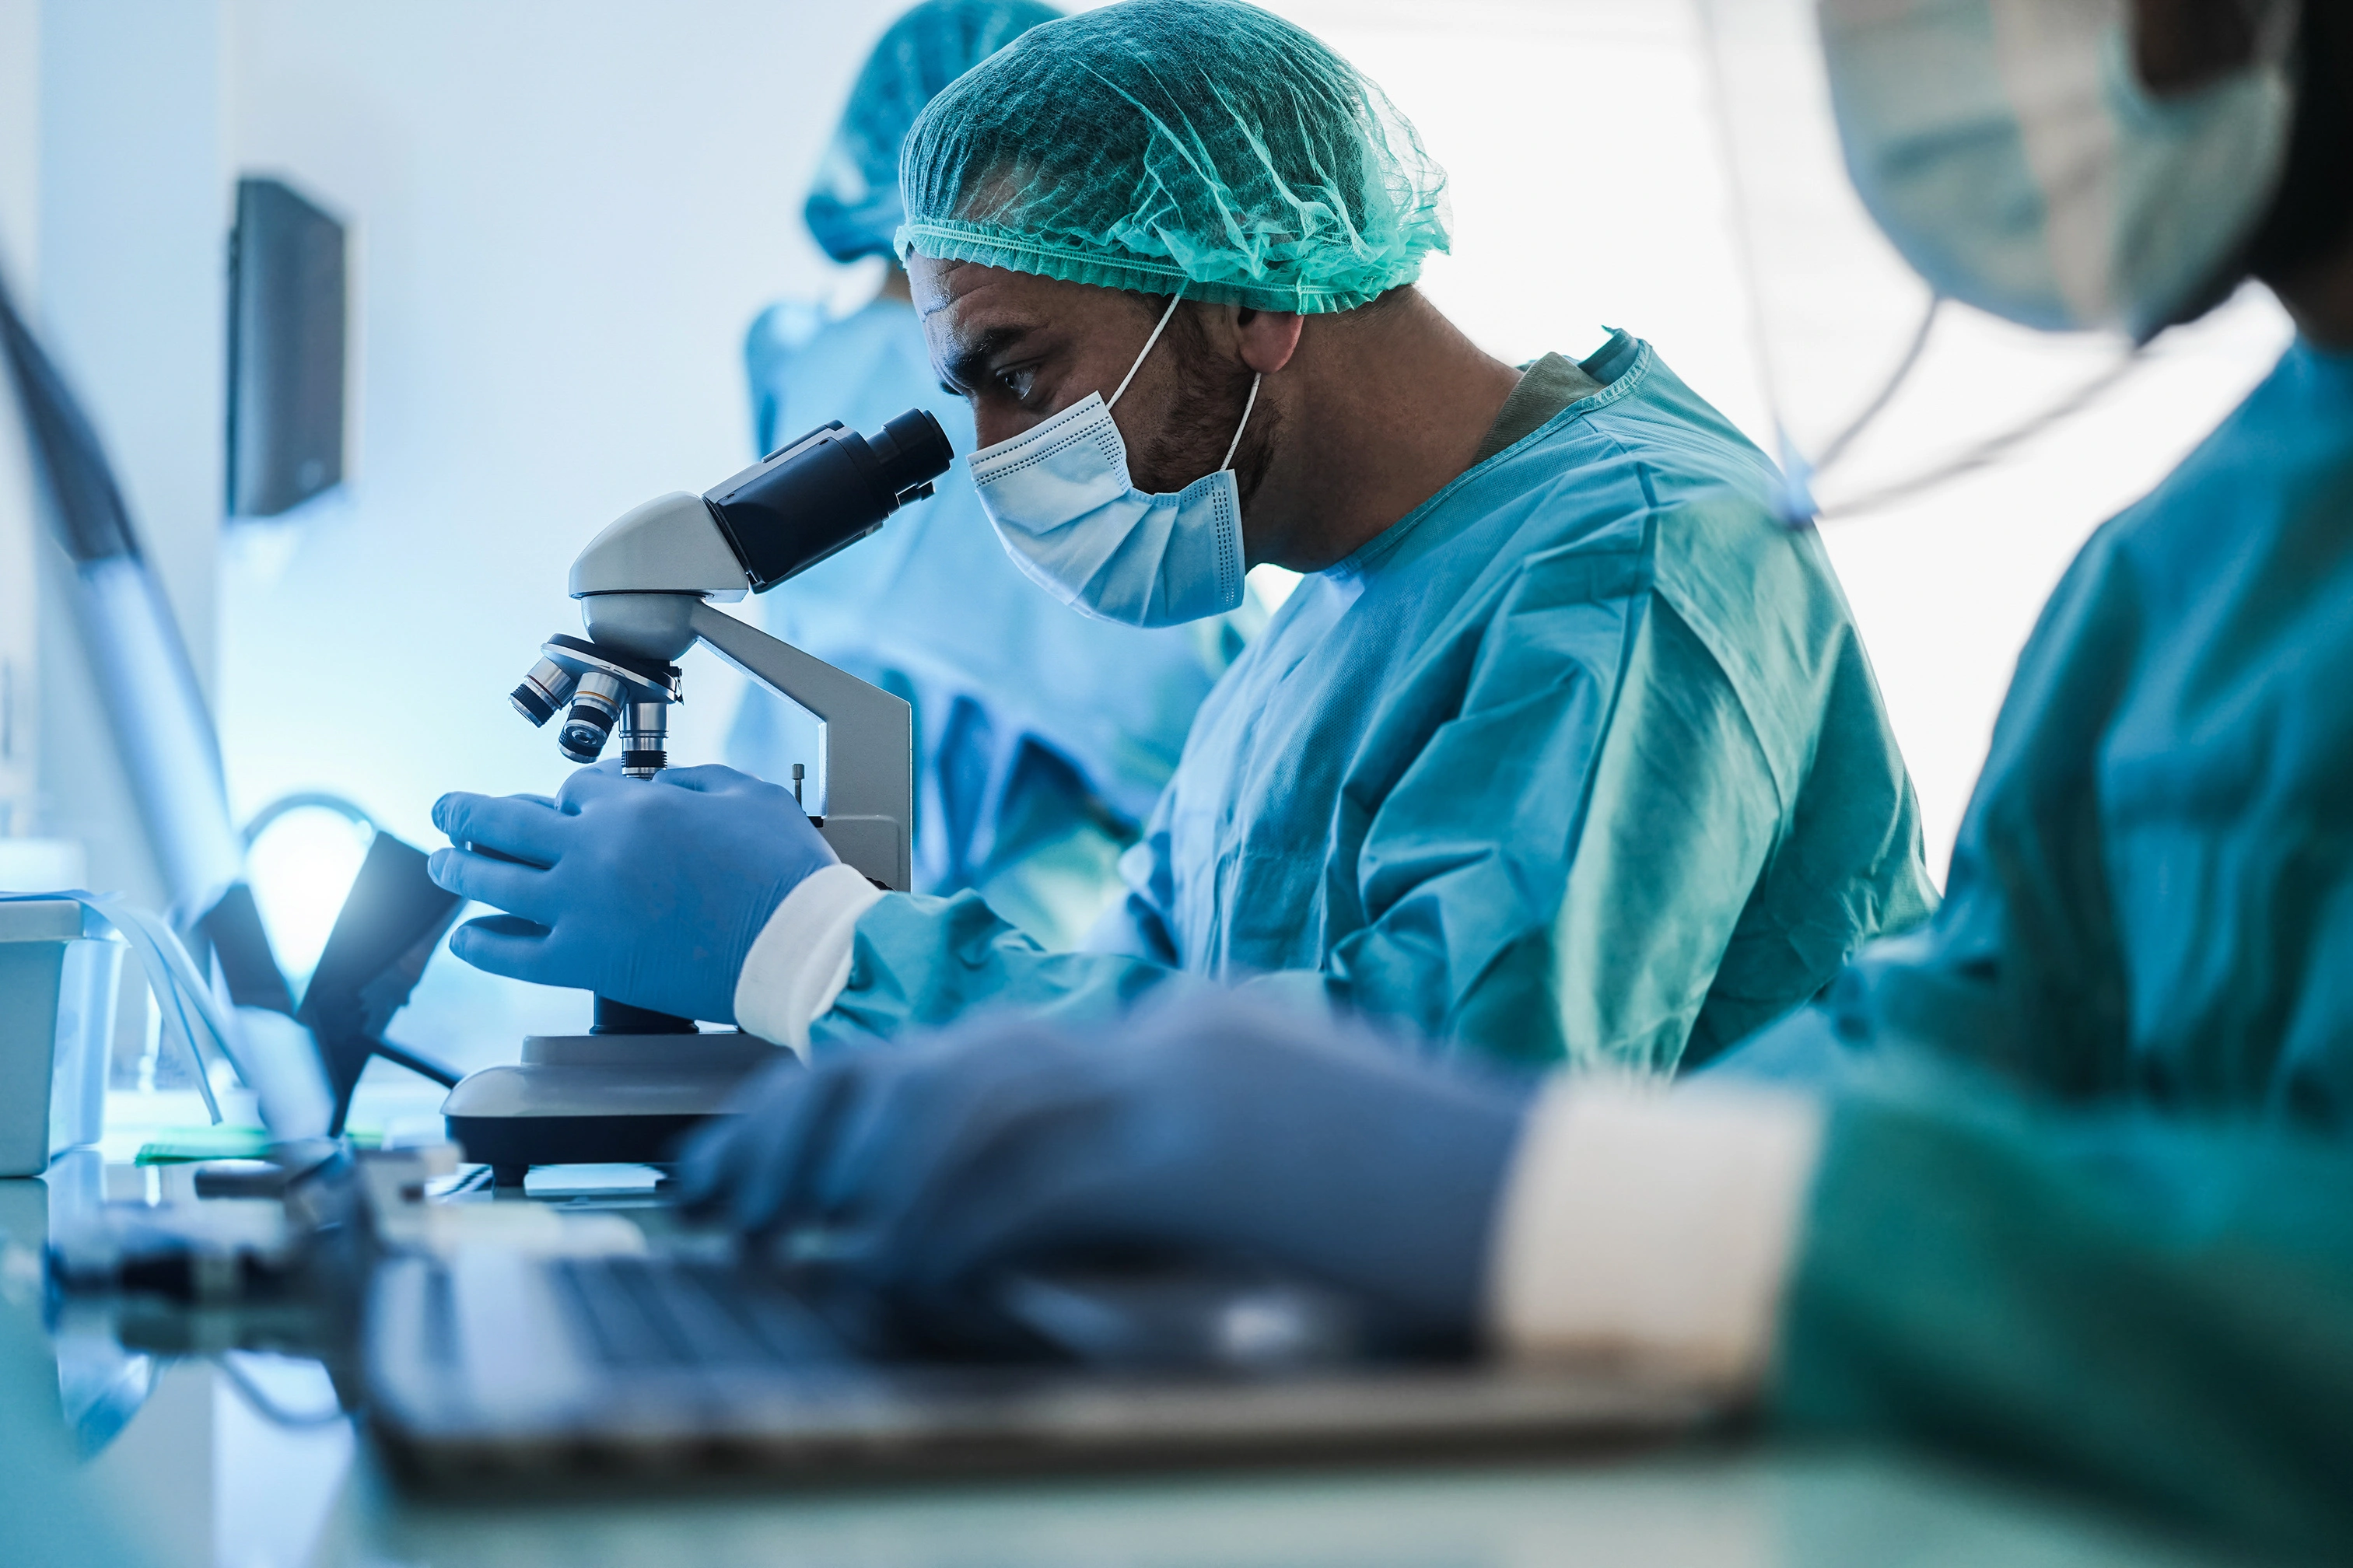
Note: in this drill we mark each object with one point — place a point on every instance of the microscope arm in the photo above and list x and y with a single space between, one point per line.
865 769
644 585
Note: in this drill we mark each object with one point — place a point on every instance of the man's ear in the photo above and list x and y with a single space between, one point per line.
1268 339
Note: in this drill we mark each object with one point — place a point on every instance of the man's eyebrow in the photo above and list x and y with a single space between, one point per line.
968 365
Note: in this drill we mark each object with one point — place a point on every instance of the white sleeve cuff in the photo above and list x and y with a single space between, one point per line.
800 960
1654 1229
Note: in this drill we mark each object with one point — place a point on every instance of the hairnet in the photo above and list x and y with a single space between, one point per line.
854 208
1200 146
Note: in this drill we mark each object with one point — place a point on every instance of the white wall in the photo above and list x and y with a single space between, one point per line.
112 186
565 215
20 104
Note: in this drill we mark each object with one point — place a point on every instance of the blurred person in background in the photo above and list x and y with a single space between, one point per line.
1563 748
2062 1180
1042 737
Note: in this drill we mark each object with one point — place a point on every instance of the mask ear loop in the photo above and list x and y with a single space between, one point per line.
1235 444
1173 301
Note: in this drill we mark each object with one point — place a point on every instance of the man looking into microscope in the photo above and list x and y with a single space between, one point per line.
1563 748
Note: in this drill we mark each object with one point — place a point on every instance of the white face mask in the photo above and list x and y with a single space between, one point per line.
2009 150
1074 522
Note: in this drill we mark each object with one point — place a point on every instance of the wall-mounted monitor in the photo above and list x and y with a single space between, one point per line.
288 309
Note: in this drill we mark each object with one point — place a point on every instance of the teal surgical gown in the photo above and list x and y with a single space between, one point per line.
2151 896
2159 1308
2115 1244
1580 759
1042 737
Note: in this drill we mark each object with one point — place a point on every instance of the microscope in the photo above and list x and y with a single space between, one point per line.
649 586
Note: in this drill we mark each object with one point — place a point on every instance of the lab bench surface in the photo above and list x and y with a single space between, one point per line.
237 1460
256 1495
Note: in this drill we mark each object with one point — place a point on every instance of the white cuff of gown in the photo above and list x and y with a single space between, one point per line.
1653 1230
800 960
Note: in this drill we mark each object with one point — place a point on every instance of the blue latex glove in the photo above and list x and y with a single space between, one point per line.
1210 1131
647 891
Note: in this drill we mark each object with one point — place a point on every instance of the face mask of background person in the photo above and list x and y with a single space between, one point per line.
2044 179
2169 716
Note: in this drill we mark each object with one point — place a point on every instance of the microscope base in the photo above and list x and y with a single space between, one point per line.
578 1100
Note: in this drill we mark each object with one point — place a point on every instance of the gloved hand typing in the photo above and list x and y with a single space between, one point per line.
647 891
1208 1131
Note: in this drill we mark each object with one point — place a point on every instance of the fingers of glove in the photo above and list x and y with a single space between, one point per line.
968 1126
502 944
714 1157
892 1130
525 827
706 1164
916 1113
789 1138
526 890
710 778
588 784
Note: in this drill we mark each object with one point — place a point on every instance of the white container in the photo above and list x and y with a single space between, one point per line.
57 1024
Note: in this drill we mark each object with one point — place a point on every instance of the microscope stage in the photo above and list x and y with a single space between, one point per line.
577 1099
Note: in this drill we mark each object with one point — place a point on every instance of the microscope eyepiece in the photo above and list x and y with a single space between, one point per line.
914 451
825 492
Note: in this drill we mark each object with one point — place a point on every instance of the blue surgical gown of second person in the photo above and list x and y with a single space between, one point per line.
1042 737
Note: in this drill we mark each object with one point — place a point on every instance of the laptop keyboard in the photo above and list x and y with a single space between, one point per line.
655 1314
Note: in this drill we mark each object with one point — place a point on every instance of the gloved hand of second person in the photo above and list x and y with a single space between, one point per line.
647 891
1210 1130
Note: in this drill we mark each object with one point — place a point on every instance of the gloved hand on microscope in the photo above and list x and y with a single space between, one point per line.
648 884
650 892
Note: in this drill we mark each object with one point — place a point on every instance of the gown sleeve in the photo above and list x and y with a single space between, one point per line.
2020 969
2157 1308
922 962
1554 870
1138 924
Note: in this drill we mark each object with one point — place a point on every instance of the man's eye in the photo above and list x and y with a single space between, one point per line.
1017 382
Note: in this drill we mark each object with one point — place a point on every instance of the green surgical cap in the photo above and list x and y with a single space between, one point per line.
1200 146
854 209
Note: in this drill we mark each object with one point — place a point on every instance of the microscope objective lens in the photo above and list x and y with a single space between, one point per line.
543 692
596 708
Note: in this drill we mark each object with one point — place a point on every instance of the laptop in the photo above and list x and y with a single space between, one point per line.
488 1367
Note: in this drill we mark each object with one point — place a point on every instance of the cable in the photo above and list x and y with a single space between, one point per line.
1992 448
268 1409
308 800
422 1067
1871 410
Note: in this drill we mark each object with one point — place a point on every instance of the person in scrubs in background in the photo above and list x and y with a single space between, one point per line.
2063 1180
1563 748
1042 737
